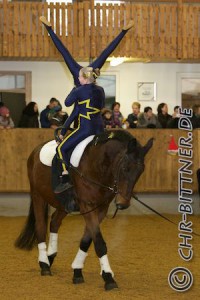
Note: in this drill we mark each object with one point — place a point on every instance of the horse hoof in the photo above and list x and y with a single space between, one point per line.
45 269
110 283
78 276
78 280
110 286
51 258
46 273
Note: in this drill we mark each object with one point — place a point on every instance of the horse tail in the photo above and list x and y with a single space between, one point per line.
28 238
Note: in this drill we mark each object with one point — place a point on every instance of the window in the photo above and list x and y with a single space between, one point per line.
109 83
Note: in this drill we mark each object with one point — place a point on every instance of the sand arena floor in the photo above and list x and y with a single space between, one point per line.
142 251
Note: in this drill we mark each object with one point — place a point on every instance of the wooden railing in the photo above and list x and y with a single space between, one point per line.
163 31
161 168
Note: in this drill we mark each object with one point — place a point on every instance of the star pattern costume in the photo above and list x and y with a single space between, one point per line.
89 99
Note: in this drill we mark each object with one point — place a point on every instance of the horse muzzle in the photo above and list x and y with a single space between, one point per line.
122 203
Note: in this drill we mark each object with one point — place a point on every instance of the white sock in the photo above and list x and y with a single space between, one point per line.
79 260
43 253
105 266
53 244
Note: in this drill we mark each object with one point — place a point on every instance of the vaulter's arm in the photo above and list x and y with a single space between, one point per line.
71 119
72 97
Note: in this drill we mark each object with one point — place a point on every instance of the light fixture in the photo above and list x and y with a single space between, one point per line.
116 61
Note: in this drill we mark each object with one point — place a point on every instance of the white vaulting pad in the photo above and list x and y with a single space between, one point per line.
78 151
49 150
47 153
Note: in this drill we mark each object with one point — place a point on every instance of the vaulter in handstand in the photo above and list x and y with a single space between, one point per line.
88 100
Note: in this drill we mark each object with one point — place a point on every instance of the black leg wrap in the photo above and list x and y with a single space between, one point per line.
110 283
45 269
78 276
51 258
85 244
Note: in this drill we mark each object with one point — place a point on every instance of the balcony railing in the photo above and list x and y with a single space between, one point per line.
163 31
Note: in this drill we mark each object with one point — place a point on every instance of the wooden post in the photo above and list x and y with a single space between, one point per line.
180 29
92 32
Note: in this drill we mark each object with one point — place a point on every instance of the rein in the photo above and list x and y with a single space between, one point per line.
159 214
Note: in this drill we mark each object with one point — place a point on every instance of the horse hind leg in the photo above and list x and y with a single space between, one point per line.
40 207
56 221
78 263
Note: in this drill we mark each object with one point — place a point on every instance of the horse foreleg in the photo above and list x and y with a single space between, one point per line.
81 255
106 271
101 251
56 221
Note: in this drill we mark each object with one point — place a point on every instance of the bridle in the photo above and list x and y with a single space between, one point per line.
112 189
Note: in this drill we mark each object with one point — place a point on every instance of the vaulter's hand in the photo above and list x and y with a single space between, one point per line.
61 138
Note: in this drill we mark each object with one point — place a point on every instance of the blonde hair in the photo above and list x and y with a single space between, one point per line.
136 104
90 73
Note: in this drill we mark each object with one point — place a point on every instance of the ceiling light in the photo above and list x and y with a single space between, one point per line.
116 61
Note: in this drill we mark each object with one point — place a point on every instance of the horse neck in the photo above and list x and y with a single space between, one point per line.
102 161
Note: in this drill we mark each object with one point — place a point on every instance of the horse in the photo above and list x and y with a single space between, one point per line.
108 169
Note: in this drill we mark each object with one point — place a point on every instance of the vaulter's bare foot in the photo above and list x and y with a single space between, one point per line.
128 26
44 21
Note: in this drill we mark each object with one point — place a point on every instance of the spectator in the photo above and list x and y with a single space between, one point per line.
163 116
5 119
173 122
107 118
133 118
117 115
29 117
196 116
147 119
44 120
57 117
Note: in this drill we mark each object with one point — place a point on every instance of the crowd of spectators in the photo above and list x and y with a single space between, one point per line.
53 116
147 118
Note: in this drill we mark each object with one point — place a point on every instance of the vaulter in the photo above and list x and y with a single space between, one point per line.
73 66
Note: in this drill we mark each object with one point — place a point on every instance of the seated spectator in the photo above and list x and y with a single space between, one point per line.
147 119
29 117
176 113
163 116
107 118
5 119
57 117
117 115
133 118
196 116
173 122
44 120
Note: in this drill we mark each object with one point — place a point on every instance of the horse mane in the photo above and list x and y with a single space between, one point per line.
121 135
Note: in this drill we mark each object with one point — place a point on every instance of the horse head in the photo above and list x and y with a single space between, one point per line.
130 168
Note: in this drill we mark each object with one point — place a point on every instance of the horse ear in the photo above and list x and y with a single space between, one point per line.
131 145
148 146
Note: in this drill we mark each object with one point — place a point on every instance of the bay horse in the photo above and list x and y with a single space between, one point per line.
108 169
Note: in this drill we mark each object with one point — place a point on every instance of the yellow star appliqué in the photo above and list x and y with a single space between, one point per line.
92 111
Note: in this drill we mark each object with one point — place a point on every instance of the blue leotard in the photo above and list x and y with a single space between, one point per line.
89 99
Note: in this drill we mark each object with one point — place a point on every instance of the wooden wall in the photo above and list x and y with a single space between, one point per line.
160 175
163 30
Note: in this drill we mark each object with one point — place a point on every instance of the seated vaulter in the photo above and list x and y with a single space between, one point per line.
73 66
89 99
